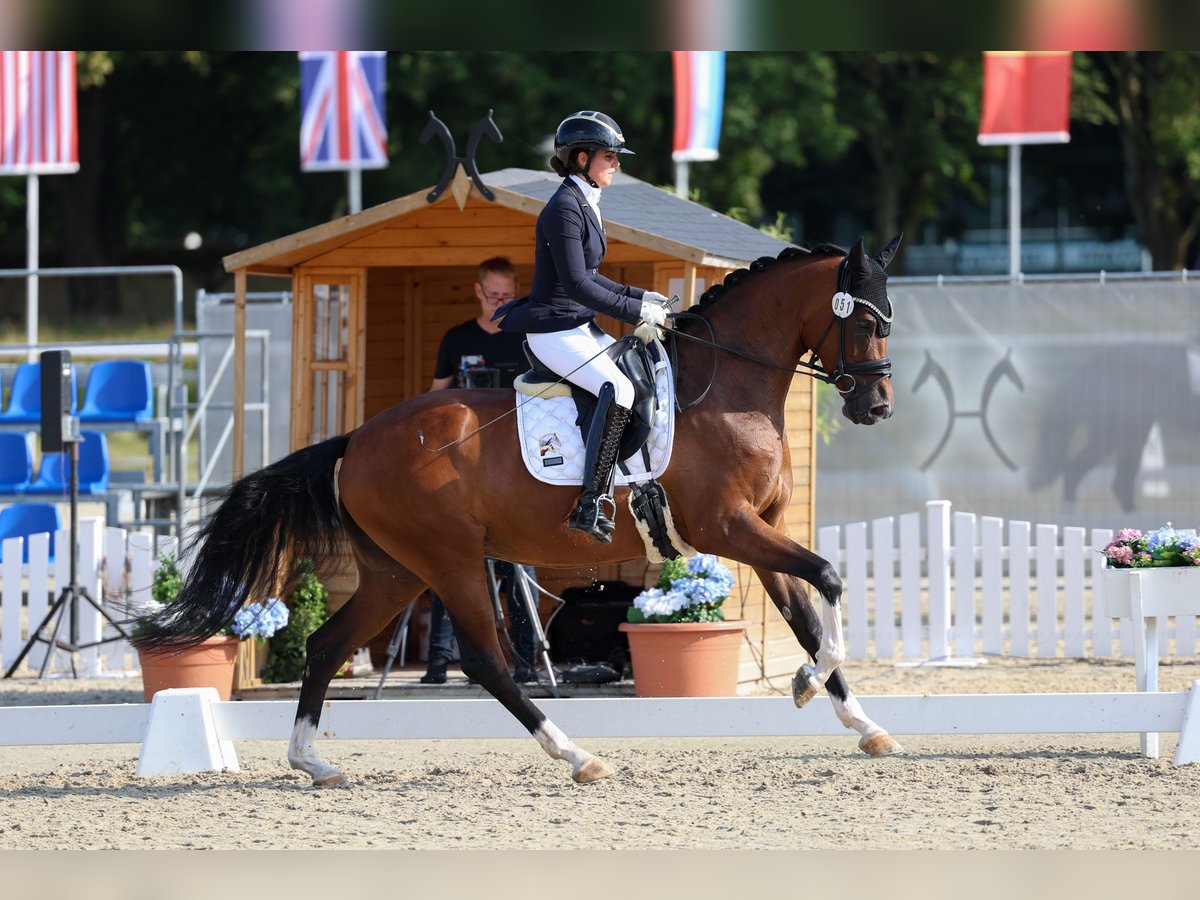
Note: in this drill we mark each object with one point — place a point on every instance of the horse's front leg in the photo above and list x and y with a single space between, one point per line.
791 597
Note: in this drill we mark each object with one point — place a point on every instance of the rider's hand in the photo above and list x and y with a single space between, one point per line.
653 313
655 297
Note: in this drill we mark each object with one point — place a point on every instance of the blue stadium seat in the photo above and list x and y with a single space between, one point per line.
118 390
16 462
25 404
93 468
24 519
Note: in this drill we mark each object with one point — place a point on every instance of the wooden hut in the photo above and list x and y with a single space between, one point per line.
374 292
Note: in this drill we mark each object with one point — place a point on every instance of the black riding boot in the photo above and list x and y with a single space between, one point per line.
603 441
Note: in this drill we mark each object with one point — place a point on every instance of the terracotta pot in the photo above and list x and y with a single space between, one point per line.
208 664
685 659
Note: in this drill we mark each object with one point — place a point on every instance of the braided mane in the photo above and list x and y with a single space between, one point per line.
740 276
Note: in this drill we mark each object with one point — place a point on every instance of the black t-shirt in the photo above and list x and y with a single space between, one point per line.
468 346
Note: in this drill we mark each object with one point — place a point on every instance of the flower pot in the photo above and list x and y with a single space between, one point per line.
685 659
208 664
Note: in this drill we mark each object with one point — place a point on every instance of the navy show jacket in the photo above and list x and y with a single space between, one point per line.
567 291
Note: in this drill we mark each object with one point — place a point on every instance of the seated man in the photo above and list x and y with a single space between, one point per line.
469 352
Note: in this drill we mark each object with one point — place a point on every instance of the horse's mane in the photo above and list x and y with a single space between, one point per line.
740 276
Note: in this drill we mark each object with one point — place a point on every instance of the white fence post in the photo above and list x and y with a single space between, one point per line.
1047 590
991 572
10 623
1074 548
964 584
1018 584
911 556
855 595
937 514
884 569
1102 630
39 598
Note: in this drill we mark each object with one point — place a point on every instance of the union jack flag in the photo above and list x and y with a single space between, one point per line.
38 133
341 110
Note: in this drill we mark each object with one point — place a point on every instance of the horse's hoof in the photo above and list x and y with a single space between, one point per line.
592 770
334 780
804 685
880 745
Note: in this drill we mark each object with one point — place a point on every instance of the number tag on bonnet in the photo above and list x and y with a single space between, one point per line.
843 304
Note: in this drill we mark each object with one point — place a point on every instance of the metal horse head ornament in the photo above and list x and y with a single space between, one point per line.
484 127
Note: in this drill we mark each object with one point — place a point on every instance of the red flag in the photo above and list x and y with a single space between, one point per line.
37 112
1026 98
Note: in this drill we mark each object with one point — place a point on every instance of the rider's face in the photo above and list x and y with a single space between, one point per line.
605 164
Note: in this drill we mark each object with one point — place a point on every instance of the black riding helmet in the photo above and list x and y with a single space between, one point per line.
587 130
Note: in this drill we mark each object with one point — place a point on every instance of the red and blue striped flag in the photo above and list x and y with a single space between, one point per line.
342 110
699 98
38 133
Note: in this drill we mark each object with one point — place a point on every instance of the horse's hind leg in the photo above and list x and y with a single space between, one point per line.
791 597
385 587
465 598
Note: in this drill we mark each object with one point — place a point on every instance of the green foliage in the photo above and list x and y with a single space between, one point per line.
168 580
671 570
309 611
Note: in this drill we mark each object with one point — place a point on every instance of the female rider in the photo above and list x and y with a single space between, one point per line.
558 316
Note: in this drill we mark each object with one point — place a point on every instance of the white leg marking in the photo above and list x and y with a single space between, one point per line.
559 746
832 652
852 716
302 754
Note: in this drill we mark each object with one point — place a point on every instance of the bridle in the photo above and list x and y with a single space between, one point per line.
845 378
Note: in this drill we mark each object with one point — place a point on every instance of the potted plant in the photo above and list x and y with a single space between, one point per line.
679 640
211 662
1155 563
308 604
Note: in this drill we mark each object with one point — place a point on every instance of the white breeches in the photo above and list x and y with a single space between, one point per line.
577 355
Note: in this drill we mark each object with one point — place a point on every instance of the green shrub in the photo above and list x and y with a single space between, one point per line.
309 611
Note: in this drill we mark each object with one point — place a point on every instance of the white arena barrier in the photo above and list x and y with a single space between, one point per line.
188 730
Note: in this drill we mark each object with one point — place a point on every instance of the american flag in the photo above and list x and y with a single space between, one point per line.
38 134
341 110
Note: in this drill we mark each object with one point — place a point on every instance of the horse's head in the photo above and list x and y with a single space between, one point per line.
853 350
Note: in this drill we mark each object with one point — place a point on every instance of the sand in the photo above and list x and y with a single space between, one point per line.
1031 792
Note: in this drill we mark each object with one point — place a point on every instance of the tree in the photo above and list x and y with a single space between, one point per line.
1151 98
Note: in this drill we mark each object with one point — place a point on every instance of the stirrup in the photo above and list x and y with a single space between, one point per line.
591 520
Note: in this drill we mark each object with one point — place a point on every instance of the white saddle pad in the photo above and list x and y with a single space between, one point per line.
553 448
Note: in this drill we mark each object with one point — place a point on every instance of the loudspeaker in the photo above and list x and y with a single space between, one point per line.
57 424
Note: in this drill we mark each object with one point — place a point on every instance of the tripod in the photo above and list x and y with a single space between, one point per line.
68 600
520 582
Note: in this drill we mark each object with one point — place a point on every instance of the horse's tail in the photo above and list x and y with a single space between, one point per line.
267 520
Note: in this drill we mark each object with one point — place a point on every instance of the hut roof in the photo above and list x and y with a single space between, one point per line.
634 211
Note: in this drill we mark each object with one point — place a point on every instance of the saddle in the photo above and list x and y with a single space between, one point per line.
634 359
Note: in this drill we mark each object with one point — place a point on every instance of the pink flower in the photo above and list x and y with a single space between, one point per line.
1128 535
1119 554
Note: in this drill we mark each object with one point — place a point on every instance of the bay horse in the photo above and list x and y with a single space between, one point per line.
416 519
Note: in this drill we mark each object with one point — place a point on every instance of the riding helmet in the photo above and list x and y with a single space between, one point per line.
588 130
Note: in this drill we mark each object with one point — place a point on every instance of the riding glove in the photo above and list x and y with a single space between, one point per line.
653 313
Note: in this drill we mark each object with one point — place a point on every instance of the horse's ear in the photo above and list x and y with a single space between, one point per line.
858 262
889 252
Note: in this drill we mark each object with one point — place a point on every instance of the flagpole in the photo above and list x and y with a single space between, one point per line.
354 188
681 179
32 218
1014 210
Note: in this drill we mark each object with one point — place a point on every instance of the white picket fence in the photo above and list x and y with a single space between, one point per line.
978 587
114 566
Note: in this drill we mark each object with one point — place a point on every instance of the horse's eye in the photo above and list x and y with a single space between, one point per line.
865 324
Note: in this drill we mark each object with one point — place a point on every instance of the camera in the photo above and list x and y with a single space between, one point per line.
478 377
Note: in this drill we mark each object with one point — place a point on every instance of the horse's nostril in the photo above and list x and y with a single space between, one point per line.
882 411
